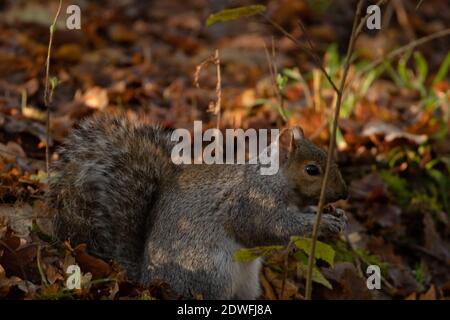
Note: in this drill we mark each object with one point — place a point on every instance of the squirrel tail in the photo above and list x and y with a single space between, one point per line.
105 183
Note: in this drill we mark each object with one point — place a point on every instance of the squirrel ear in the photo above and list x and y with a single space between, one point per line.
297 133
288 141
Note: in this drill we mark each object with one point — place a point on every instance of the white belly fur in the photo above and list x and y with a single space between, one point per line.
244 275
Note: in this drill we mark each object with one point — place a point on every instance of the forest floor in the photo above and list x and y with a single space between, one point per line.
140 57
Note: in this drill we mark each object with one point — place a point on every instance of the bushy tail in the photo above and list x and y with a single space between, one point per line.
105 184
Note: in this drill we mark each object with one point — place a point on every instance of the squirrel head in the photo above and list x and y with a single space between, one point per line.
303 164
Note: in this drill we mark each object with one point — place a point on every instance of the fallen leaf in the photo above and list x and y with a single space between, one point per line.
97 267
429 295
96 98
391 132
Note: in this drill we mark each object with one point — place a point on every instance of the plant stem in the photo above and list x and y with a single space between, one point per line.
311 258
48 92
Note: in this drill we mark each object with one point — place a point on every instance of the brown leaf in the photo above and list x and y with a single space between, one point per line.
97 267
7 283
403 280
378 246
269 292
385 215
429 295
17 254
370 188
391 132
96 98
348 283
69 52
276 280
52 274
433 241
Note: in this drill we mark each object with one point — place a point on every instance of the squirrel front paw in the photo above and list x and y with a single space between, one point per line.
333 223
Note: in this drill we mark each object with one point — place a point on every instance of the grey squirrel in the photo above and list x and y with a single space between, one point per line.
116 189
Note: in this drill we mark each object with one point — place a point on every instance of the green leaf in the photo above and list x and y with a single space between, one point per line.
340 140
40 176
367 81
317 276
258 102
403 71
332 60
393 74
443 69
281 81
372 259
235 13
319 6
422 67
292 73
54 81
323 250
399 186
301 257
250 254
347 106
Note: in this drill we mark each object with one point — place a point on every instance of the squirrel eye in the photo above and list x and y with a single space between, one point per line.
312 170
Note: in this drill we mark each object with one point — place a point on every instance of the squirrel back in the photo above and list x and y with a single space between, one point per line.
104 184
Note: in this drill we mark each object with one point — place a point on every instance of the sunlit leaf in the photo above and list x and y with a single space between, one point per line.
234 14
443 69
323 250
250 254
317 276
281 81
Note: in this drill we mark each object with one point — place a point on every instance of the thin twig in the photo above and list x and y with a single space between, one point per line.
214 106
48 92
275 72
423 250
302 47
273 77
405 48
311 258
218 106
316 57
419 4
39 266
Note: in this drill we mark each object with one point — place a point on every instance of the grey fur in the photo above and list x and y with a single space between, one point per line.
116 189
